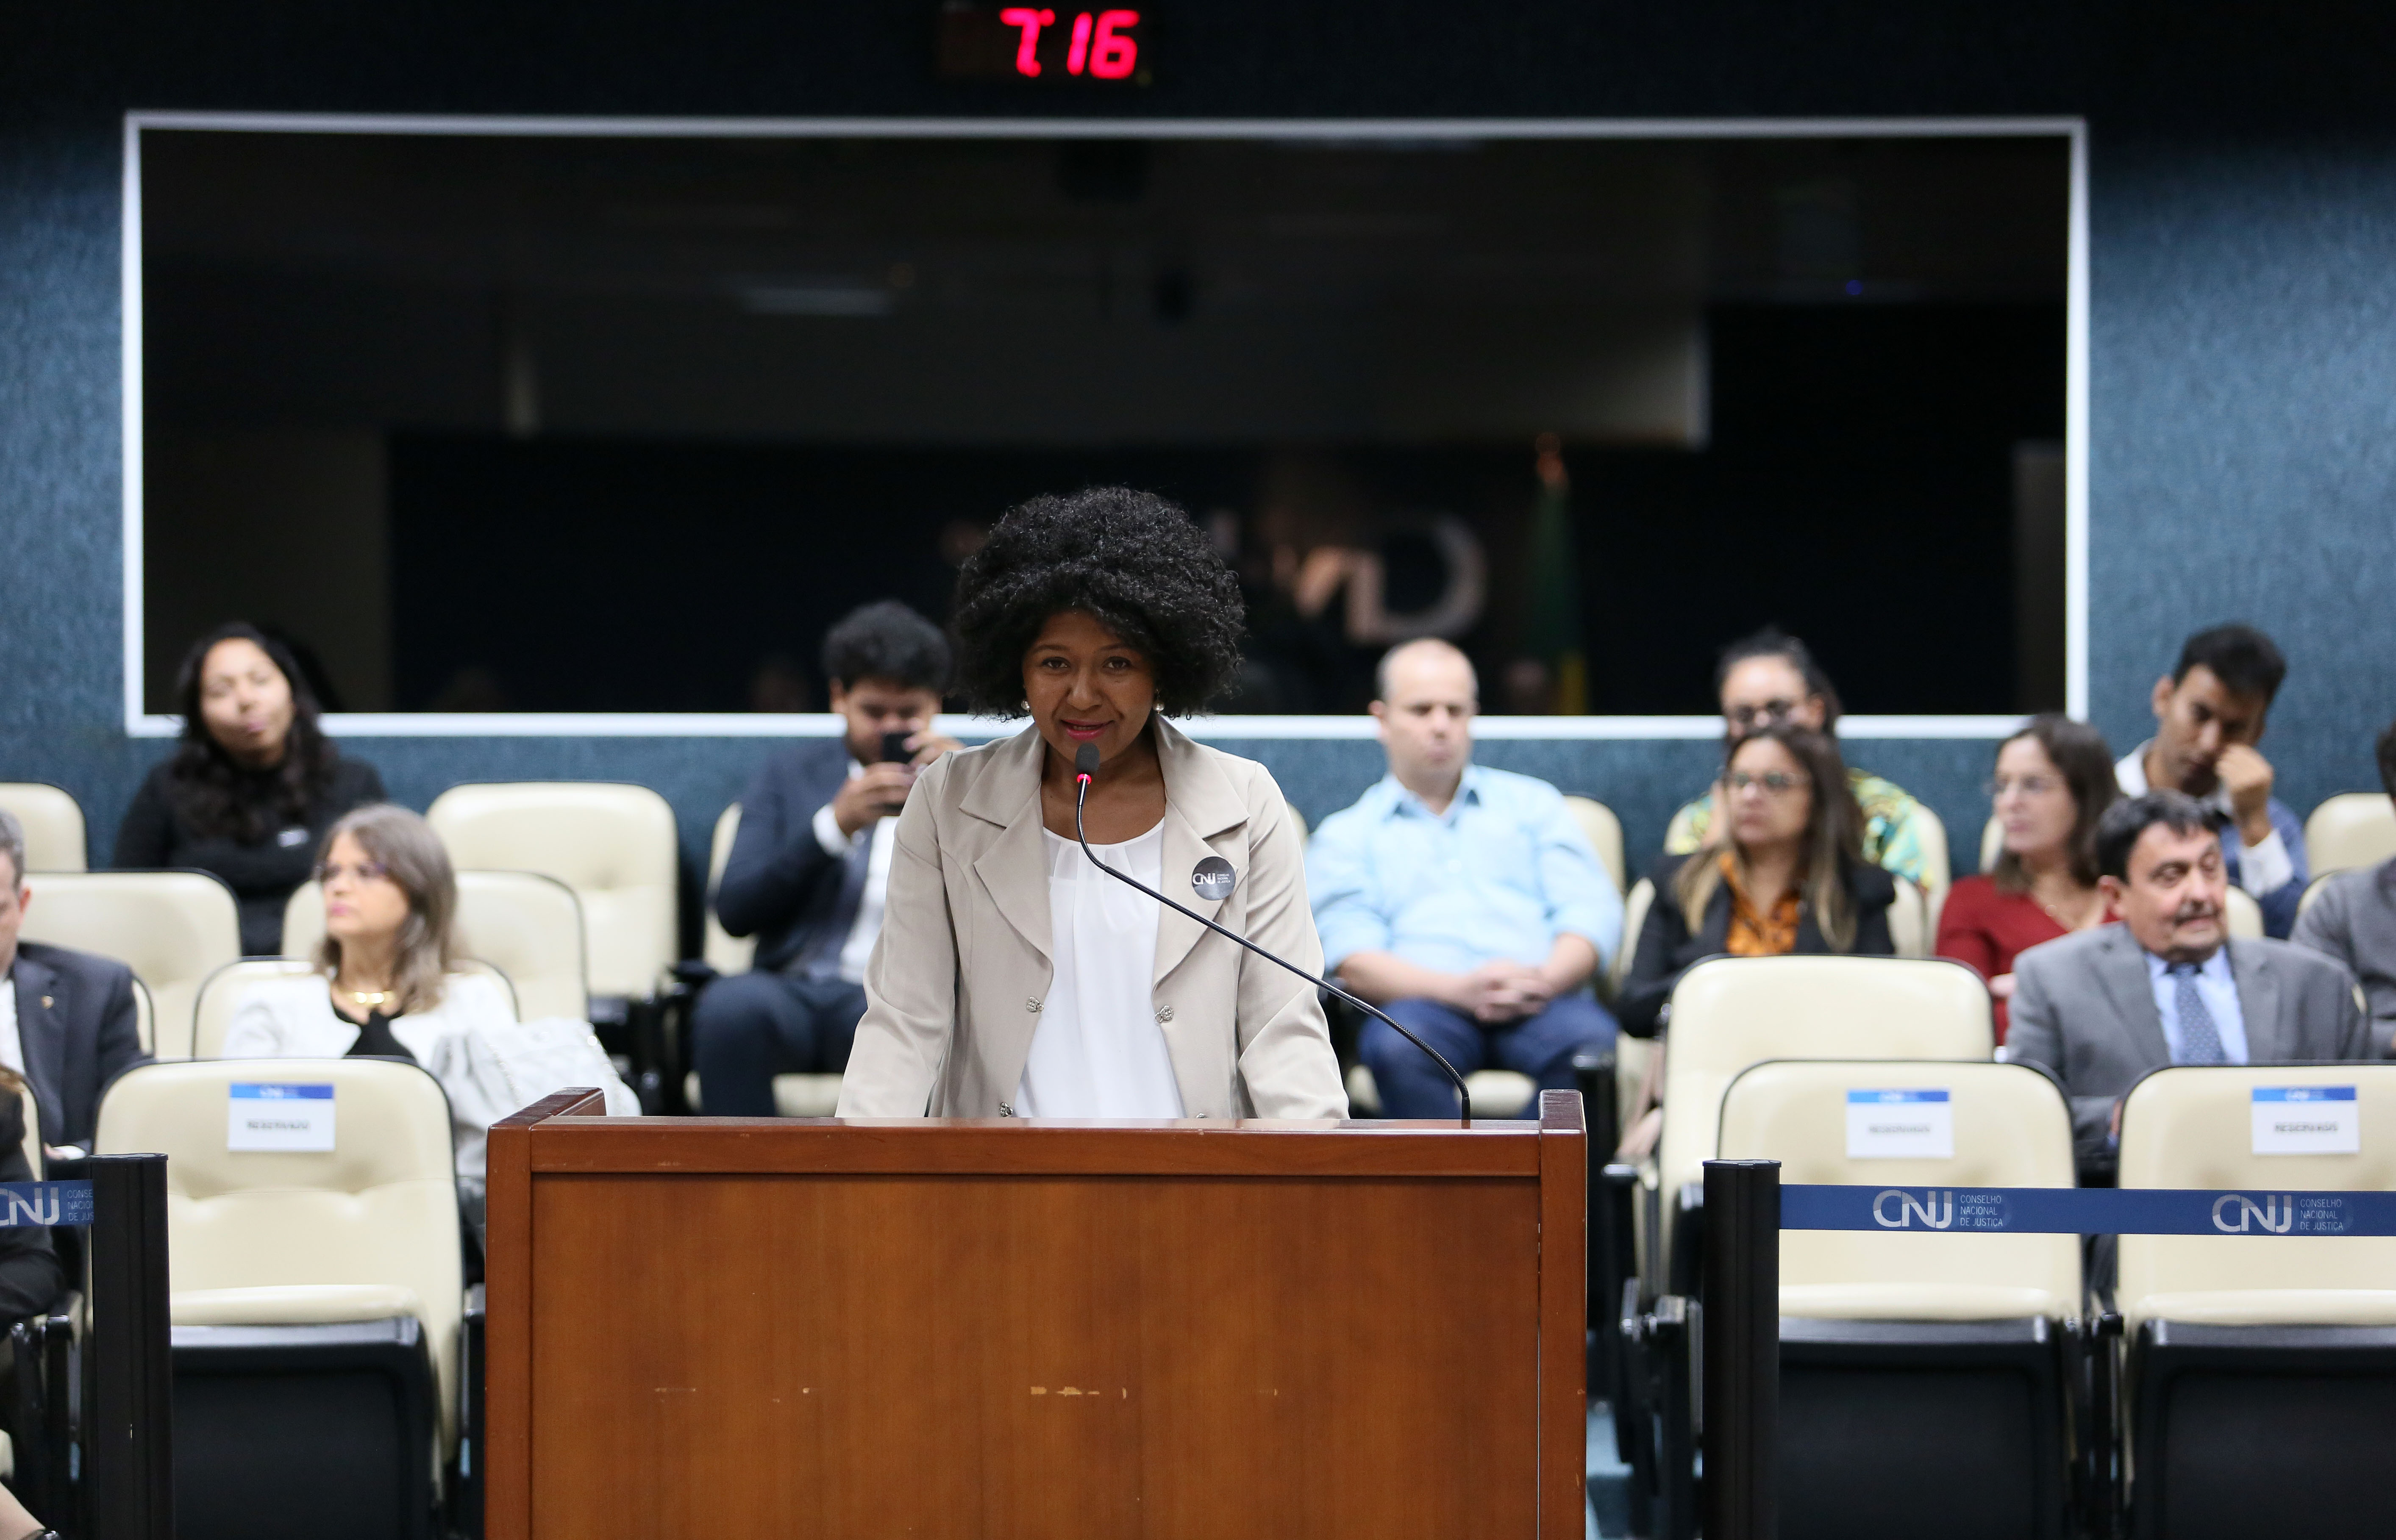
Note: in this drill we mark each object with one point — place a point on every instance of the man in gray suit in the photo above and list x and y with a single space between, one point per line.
2353 918
2168 985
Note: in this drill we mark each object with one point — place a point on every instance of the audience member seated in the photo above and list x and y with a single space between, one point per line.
2053 780
2168 985
2353 920
30 1277
810 868
1789 877
1771 677
1463 900
2209 715
386 987
67 1020
254 786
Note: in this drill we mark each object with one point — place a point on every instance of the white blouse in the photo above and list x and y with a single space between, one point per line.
293 1017
1099 1051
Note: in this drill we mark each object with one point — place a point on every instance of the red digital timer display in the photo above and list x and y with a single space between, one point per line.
1041 43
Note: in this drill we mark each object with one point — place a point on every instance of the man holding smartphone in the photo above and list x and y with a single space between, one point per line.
811 863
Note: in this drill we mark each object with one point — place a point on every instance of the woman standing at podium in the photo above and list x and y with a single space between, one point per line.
1012 978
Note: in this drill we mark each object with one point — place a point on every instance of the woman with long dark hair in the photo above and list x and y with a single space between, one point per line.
253 787
1785 874
2053 780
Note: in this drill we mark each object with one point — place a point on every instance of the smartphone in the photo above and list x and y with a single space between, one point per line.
894 748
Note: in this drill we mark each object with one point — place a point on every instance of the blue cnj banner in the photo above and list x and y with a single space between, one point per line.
2085 1211
44 1203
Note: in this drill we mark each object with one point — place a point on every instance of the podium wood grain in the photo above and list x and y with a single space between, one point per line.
723 1328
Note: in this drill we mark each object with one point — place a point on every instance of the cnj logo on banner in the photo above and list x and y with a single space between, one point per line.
2235 1213
1897 1210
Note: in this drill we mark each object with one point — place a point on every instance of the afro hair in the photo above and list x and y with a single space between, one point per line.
1136 562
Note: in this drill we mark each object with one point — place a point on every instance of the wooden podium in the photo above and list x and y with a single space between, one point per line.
725 1328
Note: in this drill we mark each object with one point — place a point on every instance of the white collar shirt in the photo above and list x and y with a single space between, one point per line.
867 927
12 1040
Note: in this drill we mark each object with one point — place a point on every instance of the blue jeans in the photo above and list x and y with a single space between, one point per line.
751 1026
1541 1046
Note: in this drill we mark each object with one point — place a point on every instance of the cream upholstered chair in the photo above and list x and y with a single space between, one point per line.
1495 1092
1728 1013
53 821
2231 1333
1604 831
2192 1127
307 1241
528 929
2012 1128
1909 921
1631 1054
1938 873
171 928
614 845
1635 906
1970 1346
1992 845
2353 829
221 993
724 952
2241 916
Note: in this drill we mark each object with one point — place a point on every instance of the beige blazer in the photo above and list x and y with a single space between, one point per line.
954 987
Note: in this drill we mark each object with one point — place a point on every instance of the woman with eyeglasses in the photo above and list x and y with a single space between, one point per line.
1784 875
2054 779
249 793
1772 677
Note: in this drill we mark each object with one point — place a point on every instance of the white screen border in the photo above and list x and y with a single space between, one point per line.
140 725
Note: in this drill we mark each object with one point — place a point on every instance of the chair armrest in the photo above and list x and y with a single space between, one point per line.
466 1490
1688 1249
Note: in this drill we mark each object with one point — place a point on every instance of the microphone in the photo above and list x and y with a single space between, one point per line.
1085 764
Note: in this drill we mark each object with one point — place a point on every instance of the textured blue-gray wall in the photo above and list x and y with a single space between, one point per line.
2244 229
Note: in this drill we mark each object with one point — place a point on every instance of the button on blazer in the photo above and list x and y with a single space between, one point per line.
954 988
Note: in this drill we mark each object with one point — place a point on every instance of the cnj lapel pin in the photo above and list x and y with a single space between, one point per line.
1213 878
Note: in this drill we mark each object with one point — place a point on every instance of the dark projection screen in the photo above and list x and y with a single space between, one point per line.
621 424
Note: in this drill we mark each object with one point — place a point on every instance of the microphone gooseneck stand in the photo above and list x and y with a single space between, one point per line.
1085 764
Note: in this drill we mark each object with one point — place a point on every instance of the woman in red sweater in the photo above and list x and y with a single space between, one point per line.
2053 778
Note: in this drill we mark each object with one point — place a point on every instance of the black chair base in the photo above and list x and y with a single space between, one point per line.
302 1432
1959 1429
2248 1430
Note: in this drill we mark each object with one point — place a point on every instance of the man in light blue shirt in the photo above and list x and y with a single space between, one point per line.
1464 901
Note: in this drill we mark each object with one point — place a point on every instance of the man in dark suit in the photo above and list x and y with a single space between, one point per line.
2168 986
811 862
66 1017
2353 918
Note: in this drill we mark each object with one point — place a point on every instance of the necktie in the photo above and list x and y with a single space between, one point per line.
821 959
2200 1040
